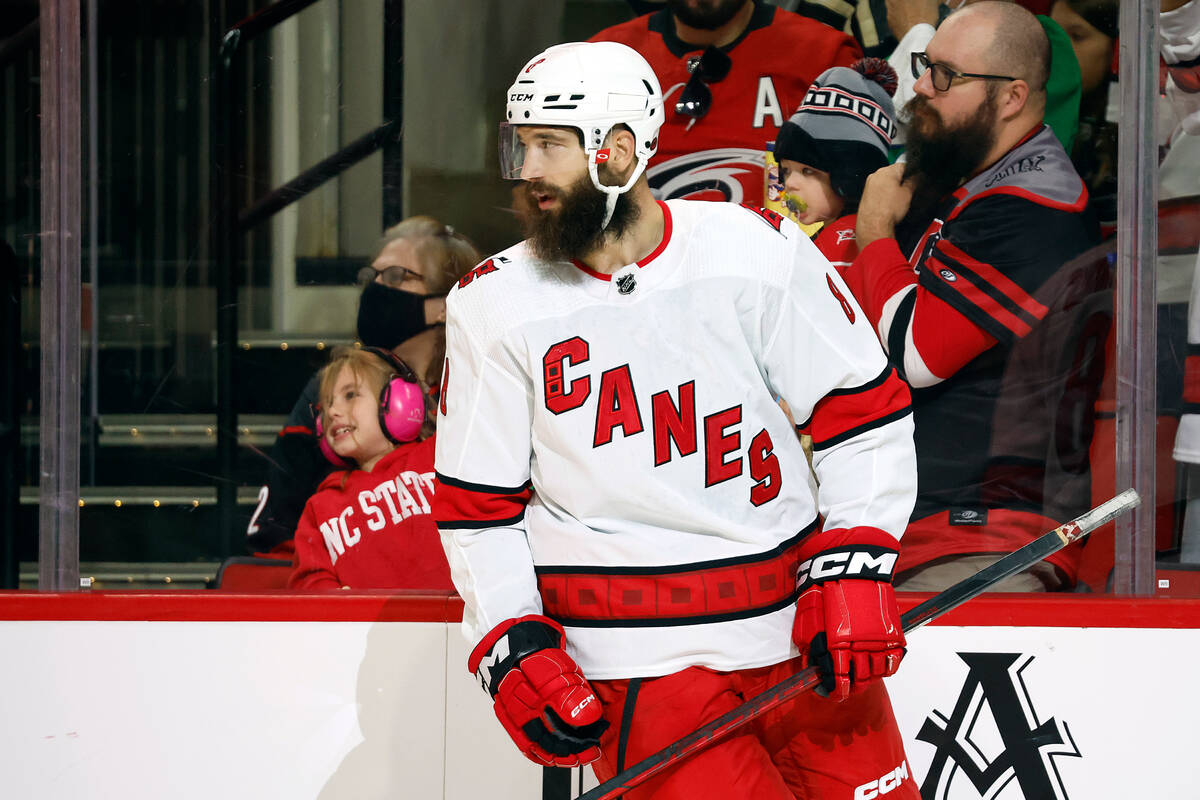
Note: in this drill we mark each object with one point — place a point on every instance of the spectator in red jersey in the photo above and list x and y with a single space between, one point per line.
840 135
731 71
369 525
975 272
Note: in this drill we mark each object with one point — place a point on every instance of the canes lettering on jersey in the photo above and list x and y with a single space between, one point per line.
401 497
674 421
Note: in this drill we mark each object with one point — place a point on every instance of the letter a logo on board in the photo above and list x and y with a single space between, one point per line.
964 739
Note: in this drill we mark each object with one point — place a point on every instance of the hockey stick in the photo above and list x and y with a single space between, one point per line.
914 618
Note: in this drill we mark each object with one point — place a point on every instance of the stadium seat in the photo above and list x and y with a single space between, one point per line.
249 573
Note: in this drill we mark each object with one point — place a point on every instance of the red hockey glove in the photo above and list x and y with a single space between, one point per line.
847 623
541 697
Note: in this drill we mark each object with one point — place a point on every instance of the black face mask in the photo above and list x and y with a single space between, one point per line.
387 316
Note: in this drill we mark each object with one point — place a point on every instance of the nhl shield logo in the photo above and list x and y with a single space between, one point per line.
626 283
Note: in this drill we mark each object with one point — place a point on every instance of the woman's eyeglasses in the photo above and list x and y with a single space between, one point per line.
392 276
710 67
942 76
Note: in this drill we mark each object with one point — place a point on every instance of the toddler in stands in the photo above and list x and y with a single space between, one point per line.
369 526
840 134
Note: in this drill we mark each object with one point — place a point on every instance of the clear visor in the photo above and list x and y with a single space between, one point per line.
512 152
546 148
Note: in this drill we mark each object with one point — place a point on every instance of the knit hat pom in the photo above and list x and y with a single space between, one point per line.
878 70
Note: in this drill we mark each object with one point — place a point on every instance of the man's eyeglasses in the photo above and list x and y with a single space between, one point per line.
711 67
392 276
942 76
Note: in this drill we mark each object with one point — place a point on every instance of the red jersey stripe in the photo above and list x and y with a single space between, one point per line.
1075 206
686 594
656 252
945 340
458 507
995 278
989 305
846 411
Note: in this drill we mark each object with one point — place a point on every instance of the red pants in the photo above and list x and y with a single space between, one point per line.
808 749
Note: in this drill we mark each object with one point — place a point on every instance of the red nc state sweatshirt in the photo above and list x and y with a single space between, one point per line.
373 530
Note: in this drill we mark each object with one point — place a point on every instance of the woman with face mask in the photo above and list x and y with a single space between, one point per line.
402 308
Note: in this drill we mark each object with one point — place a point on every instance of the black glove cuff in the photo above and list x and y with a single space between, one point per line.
520 640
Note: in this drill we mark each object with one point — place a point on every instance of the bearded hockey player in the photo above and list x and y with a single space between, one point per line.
627 512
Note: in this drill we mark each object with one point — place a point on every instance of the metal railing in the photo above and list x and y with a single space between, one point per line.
230 223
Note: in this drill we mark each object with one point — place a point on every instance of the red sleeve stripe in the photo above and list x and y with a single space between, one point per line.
456 506
1012 292
843 414
999 320
943 337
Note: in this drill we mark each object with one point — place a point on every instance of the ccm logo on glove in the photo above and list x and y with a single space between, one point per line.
885 785
850 561
579 708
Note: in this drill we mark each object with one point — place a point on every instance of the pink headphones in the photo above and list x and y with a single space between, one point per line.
401 408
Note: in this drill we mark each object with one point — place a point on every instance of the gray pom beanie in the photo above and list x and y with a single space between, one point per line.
844 126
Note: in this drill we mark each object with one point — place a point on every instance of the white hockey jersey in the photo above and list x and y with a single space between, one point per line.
611 452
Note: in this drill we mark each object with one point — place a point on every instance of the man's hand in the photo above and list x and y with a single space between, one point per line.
902 15
847 622
884 203
541 697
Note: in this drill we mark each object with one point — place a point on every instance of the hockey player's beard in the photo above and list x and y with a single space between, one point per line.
573 229
706 15
940 158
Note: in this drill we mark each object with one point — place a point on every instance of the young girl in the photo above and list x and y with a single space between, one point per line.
401 308
840 134
369 525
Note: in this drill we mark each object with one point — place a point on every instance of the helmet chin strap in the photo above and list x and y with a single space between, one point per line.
612 192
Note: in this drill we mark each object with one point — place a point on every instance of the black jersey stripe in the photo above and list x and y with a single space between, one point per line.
482 487
673 569
866 426
479 524
965 306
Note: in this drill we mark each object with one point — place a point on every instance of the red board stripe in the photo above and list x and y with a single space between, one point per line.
1021 611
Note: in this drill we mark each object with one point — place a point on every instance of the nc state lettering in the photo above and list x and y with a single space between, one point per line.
674 421
398 504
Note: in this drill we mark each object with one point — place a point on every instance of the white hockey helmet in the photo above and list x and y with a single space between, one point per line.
590 86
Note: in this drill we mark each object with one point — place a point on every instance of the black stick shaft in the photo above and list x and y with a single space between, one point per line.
914 618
